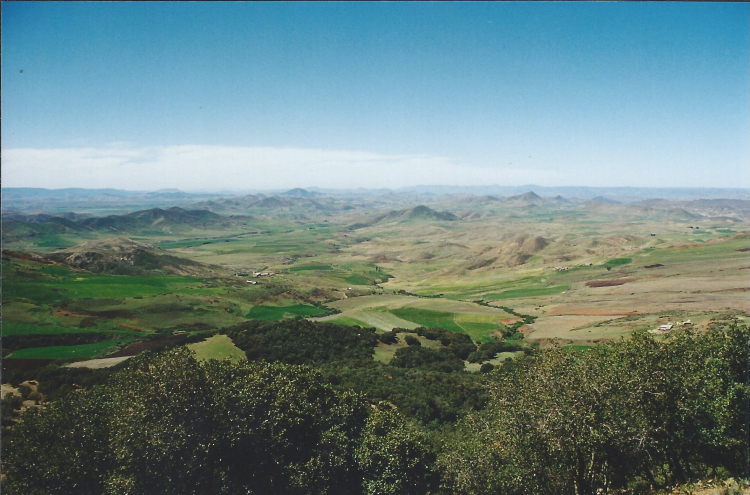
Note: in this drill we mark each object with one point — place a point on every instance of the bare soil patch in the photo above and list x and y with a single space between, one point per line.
96 364
609 283
509 321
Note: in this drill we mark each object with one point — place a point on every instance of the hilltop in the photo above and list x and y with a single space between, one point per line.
122 256
527 199
418 213
301 193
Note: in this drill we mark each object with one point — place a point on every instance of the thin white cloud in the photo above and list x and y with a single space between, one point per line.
192 167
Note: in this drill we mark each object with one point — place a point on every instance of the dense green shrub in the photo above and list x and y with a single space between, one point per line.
488 350
303 342
170 424
428 359
429 386
644 411
486 368
387 338
459 345
432 398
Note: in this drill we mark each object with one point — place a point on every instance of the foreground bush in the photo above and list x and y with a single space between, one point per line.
169 424
641 413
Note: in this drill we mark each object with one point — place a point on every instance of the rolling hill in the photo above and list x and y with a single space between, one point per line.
122 256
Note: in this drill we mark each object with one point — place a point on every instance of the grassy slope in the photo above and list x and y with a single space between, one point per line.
217 347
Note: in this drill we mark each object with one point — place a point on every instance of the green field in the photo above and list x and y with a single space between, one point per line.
75 285
478 330
618 262
275 313
707 251
385 312
429 318
84 351
377 317
345 320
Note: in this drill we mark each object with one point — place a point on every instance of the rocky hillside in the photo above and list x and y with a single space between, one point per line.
122 256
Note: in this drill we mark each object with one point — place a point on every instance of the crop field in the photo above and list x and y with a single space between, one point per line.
275 313
62 284
84 351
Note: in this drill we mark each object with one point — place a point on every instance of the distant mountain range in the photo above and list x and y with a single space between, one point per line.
303 205
29 200
621 194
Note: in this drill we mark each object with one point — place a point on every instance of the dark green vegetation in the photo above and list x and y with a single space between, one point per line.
433 390
170 424
303 342
629 416
633 415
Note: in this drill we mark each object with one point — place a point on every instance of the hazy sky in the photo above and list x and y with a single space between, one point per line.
255 96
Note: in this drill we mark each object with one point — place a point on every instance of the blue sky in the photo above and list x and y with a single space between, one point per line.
253 96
